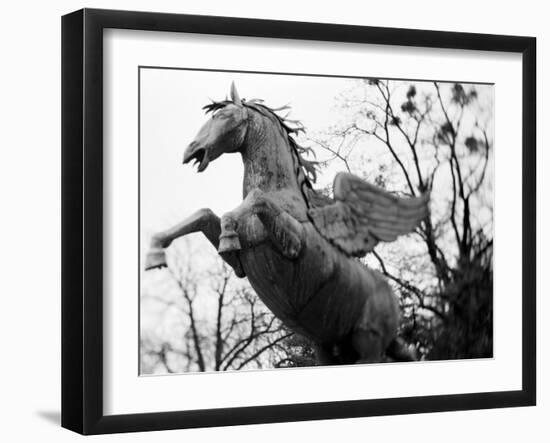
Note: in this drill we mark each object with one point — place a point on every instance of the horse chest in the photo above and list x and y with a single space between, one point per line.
275 280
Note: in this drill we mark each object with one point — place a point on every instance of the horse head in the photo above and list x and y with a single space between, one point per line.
223 133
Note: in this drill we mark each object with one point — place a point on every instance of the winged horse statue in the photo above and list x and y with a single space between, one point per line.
298 248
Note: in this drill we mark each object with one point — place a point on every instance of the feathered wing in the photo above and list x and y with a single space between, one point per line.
363 215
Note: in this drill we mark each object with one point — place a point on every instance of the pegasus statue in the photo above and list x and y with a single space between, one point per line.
299 249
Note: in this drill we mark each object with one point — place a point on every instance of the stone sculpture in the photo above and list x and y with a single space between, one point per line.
298 248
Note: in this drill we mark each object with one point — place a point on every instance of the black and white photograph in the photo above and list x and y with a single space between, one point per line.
275 222
290 220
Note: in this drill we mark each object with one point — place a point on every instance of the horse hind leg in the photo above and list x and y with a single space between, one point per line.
369 346
205 221
377 327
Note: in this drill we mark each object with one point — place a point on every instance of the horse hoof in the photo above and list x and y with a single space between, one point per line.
156 258
232 258
229 243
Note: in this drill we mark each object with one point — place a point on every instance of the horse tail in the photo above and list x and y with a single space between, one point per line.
399 351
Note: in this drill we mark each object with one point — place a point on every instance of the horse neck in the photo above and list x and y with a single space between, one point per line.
269 163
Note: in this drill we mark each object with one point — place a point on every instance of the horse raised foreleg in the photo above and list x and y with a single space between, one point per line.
205 221
286 233
283 230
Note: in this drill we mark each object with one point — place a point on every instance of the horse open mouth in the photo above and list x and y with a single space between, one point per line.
200 158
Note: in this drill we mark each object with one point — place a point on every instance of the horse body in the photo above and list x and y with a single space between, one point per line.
317 294
345 308
322 293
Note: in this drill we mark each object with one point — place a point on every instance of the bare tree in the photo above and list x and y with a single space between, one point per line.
414 137
217 321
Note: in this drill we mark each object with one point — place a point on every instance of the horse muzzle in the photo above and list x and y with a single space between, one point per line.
198 154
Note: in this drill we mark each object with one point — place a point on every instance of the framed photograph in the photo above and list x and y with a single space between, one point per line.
270 221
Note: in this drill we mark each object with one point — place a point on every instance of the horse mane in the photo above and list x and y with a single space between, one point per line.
307 169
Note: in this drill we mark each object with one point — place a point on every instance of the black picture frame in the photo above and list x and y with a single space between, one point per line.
82 220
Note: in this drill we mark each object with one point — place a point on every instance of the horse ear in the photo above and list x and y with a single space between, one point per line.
235 95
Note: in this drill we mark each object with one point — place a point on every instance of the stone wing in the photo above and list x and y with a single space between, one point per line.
363 215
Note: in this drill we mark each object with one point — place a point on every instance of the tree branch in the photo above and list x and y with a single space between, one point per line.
196 338
262 350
